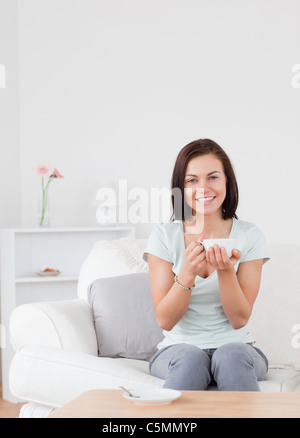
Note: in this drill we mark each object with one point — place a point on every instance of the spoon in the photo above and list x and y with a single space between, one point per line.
129 393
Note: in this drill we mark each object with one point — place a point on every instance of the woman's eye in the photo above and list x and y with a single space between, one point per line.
211 177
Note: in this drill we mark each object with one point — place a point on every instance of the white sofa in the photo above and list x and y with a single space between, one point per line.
56 346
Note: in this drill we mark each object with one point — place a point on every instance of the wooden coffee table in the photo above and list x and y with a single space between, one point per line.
109 403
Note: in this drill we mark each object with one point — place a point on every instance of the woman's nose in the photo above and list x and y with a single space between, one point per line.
202 187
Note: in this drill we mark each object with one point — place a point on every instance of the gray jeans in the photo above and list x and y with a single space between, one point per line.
233 367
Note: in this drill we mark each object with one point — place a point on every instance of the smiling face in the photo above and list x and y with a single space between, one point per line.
205 185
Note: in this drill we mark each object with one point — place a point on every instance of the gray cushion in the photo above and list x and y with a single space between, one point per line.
124 316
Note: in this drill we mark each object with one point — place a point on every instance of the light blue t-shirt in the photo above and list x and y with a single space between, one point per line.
205 323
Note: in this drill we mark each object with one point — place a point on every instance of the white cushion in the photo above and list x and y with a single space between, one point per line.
111 258
280 380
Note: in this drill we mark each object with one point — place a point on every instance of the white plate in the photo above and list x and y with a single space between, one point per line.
153 396
48 273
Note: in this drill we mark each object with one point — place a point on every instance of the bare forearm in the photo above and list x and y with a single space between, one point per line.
234 302
175 303
171 306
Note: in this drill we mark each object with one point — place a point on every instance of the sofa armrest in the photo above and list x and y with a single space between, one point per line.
67 325
53 377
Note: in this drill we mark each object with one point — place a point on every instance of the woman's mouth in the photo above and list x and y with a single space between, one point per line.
205 200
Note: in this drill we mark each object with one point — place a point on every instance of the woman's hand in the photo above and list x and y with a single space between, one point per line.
217 258
194 259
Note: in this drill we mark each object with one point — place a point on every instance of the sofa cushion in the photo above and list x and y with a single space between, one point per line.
124 316
111 258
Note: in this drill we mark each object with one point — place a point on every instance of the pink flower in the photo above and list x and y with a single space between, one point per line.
56 174
43 169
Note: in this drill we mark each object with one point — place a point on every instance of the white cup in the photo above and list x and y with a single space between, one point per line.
228 244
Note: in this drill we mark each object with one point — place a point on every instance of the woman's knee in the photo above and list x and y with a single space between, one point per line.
236 366
232 349
190 357
231 355
186 367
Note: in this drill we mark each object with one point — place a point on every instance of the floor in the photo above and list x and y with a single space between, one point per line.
7 409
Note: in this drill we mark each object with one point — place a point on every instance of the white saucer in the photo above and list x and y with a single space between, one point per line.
48 273
153 396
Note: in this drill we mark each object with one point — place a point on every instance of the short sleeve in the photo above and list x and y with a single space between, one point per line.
157 245
256 247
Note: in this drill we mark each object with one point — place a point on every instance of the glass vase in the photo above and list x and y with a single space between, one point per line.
43 207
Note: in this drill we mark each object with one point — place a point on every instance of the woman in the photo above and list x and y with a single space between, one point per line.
203 300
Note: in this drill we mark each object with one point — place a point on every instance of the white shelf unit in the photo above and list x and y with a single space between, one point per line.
24 252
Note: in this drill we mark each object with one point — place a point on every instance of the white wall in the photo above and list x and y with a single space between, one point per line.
113 90
9 117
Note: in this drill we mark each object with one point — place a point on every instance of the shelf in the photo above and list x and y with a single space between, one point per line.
38 279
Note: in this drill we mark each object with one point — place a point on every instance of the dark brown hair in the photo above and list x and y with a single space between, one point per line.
203 146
